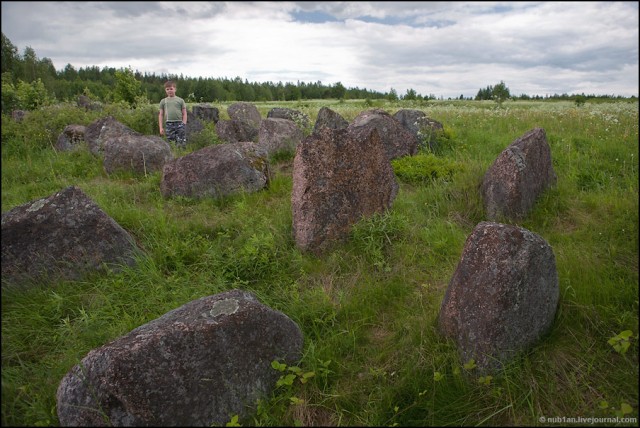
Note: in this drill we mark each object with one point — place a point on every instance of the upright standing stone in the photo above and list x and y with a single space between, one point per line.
338 178
520 174
245 112
503 294
328 118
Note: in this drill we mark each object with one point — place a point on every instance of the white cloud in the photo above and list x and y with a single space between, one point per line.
441 48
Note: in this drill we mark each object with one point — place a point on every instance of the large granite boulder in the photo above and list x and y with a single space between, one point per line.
397 141
87 103
338 178
245 112
328 118
71 138
426 130
298 117
197 365
502 297
216 171
104 129
279 136
136 153
520 174
194 125
206 112
236 131
63 236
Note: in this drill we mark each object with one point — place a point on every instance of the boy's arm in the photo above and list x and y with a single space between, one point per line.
160 117
184 115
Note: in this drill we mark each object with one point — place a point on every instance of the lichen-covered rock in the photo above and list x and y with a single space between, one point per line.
206 112
425 129
298 117
102 130
197 365
63 236
245 112
236 131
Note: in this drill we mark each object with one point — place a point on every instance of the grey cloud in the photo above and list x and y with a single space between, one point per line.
429 46
172 13
129 9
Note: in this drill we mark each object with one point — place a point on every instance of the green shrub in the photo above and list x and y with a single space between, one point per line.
424 168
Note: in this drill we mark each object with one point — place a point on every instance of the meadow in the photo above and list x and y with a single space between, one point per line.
368 307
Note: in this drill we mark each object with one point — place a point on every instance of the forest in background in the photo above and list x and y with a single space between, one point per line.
29 81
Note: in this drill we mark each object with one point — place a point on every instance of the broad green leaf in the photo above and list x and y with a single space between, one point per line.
278 366
625 408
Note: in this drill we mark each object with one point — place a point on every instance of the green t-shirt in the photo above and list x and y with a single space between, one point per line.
172 107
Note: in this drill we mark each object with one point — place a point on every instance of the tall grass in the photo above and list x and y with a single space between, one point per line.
368 307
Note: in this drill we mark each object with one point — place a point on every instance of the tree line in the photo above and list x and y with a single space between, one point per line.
28 73
29 81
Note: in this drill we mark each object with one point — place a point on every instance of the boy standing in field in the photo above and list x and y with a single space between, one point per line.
173 113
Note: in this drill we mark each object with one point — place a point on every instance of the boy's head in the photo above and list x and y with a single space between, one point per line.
170 88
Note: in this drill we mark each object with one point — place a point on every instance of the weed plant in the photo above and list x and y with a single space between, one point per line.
367 308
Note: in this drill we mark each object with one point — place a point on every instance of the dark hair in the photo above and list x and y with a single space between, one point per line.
169 83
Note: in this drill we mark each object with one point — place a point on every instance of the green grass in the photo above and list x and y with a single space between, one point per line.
368 307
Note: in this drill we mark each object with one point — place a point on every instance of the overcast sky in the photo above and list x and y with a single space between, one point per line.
446 49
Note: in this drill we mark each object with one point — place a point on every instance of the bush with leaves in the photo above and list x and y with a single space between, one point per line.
424 168
24 96
127 89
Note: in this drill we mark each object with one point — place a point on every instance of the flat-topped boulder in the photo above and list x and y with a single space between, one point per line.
216 171
298 117
136 153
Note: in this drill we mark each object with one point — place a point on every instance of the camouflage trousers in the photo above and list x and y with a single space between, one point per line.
176 132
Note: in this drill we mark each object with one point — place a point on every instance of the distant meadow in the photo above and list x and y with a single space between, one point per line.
367 308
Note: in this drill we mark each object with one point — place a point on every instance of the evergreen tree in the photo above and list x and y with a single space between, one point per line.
9 55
